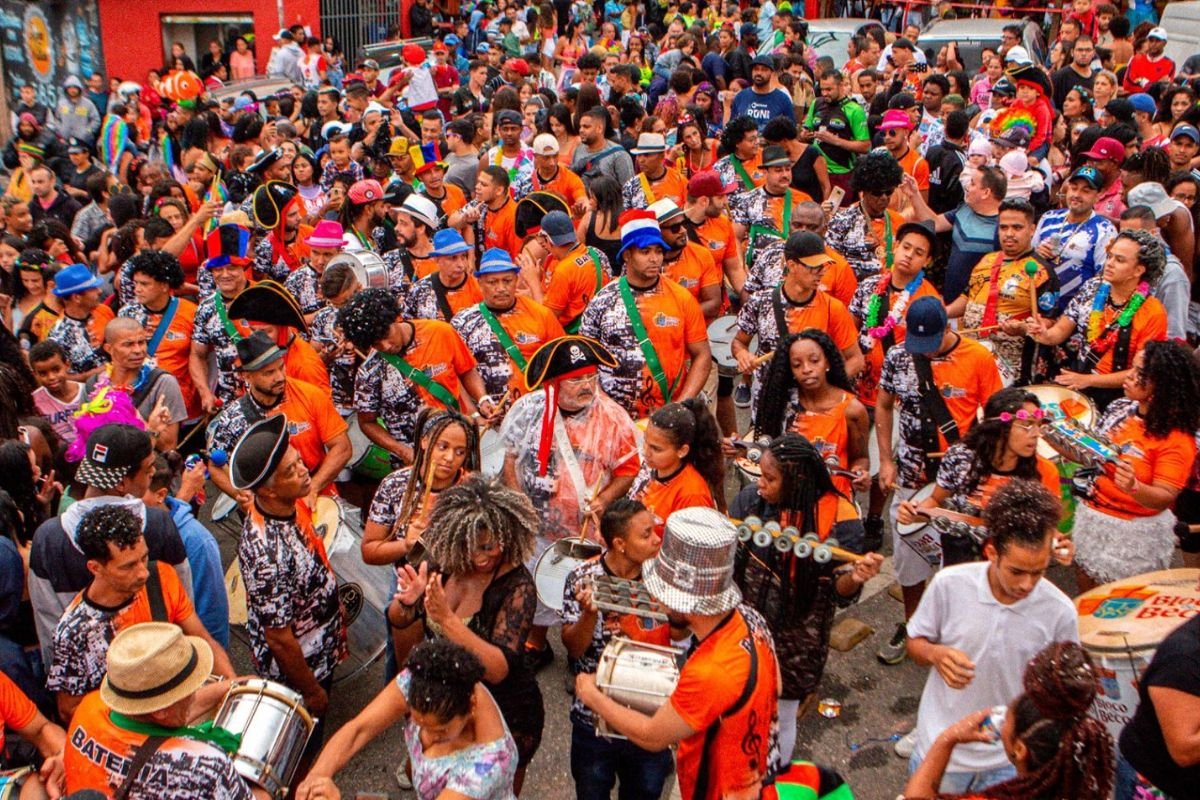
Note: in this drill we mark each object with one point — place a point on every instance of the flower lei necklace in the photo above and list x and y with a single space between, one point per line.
875 308
1100 341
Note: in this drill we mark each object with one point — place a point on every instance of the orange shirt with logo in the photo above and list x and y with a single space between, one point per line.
500 228
303 363
1149 324
868 381
829 432
569 283
823 313
695 269
673 320
967 376
1167 460
838 278
710 684
313 420
438 350
174 349
565 184
684 489
16 710
716 233
530 325
671 186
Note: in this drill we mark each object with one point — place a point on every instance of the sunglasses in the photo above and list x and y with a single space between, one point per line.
674 226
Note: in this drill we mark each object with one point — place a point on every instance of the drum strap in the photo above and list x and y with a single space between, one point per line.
567 455
154 594
935 416
411 373
439 293
502 336
710 734
144 752
648 352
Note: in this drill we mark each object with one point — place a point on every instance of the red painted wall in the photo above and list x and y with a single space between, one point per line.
132 35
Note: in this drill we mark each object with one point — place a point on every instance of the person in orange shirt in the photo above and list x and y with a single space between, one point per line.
19 714
689 264
269 307
416 222
571 275
493 214
766 212
681 461
505 329
318 432
655 180
708 224
548 175
722 712
739 164
168 320
896 128
1126 527
1114 315
431 170
451 288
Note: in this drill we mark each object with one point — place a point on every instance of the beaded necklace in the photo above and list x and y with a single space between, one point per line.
1101 340
878 298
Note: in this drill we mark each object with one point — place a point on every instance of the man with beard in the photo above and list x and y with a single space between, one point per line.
505 329
760 101
510 153
598 155
765 213
655 180
493 214
550 176
361 216
324 243
689 264
416 221
279 208
1074 240
319 432
214 331
708 224
450 288
839 126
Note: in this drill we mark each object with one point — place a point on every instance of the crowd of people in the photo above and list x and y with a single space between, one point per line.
543 290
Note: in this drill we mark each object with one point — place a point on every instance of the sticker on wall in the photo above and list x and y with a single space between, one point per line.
39 50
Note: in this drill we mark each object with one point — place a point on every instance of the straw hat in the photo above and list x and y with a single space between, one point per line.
693 573
152 666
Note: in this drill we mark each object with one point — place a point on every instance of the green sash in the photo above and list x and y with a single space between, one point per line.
204 732
506 341
418 377
757 230
230 329
648 352
747 181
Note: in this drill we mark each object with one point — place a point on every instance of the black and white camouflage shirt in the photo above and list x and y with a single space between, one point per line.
210 332
343 367
304 284
72 334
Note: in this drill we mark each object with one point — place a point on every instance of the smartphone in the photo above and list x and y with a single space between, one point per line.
836 196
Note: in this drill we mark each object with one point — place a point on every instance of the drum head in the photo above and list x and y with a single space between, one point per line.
924 492
491 452
327 516
555 564
1137 613
1076 405
720 337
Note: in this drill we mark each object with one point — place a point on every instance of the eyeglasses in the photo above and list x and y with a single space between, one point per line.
674 226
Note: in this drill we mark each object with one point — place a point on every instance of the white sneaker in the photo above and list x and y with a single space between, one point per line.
402 779
905 745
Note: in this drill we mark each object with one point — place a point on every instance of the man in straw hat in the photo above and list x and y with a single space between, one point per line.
214 329
294 617
569 447
722 712
133 736
318 432
655 180
126 589
653 328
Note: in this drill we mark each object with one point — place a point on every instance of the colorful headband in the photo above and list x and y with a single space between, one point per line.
1022 415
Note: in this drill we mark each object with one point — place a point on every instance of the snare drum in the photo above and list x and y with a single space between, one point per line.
491 452
921 535
11 782
1121 624
364 590
367 267
274 726
555 564
367 459
636 675
720 338
1059 401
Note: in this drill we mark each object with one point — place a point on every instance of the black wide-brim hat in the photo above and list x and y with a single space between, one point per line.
533 207
258 453
563 356
1031 74
270 303
257 351
271 201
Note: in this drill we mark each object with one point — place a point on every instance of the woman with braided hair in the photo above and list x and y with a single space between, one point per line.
475 591
457 740
1058 750
445 451
798 597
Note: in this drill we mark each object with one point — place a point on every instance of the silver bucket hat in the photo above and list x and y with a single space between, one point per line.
693 573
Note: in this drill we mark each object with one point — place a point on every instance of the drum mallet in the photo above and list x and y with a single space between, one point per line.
764 358
1031 268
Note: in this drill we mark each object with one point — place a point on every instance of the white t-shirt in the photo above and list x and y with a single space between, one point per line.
960 610
421 90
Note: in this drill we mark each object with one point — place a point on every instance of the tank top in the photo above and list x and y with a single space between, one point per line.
610 247
804 174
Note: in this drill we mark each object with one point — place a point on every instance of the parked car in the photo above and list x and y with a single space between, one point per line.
973 35
829 37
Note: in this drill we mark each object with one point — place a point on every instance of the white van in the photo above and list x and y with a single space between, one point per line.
1182 22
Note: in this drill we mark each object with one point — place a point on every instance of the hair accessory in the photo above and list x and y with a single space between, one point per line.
1023 415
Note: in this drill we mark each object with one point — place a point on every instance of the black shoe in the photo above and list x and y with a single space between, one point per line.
536 660
873 541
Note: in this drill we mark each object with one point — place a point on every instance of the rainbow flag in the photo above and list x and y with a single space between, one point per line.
114 138
216 193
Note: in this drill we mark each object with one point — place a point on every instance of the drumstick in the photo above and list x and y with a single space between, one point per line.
764 358
1031 269
980 329
591 496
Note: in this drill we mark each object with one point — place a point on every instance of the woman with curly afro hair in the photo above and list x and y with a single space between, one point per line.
395 381
740 155
1058 750
864 232
475 591
1126 527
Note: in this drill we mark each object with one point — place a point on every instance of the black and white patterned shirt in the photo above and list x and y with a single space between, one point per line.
304 284
380 390
385 507
766 270
266 265
72 334
342 368
528 324
210 332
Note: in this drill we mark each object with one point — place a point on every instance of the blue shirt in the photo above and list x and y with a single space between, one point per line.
714 66
972 237
1080 248
762 108
208 580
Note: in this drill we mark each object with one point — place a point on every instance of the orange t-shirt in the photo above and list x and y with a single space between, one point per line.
99 319
174 349
423 266
838 278
569 283
967 376
823 313
831 509
716 233
829 432
137 610
1047 475
313 420
454 199
16 710
1154 460
465 296
565 184
443 356
868 381
710 684
528 323
914 165
303 363
1149 324
500 230
671 186
684 489
775 206
673 320
695 269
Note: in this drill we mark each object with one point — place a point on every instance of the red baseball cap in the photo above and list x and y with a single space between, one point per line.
365 191
707 183
1108 148
518 65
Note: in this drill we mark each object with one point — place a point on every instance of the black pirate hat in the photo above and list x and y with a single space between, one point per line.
258 453
564 356
533 207
271 201
270 303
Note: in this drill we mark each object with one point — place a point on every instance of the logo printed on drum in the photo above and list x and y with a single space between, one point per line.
350 595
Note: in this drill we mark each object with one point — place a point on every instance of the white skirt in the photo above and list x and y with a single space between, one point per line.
1110 548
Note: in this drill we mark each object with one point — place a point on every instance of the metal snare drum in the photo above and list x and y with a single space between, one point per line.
636 675
367 267
555 564
922 536
720 338
274 726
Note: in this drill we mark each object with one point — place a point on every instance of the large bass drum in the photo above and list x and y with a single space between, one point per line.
636 675
274 727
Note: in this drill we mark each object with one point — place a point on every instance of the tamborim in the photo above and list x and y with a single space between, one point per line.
1078 444
636 675
922 536
555 564
1059 401
274 726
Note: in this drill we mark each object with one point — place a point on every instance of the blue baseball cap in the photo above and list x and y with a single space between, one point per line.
557 225
495 260
448 242
75 279
1143 102
926 320
1184 129
451 40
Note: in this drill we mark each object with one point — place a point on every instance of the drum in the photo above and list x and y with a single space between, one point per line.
1078 444
491 452
368 267
636 675
1007 376
11 781
274 726
364 590
720 338
367 459
921 535
747 464
1059 401
555 564
1121 624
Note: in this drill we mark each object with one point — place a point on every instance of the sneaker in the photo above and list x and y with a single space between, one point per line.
538 659
895 650
402 779
906 744
873 541
741 396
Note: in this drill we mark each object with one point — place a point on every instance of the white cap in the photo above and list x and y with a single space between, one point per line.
980 147
420 208
1014 163
374 107
544 144
1018 55
1157 33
